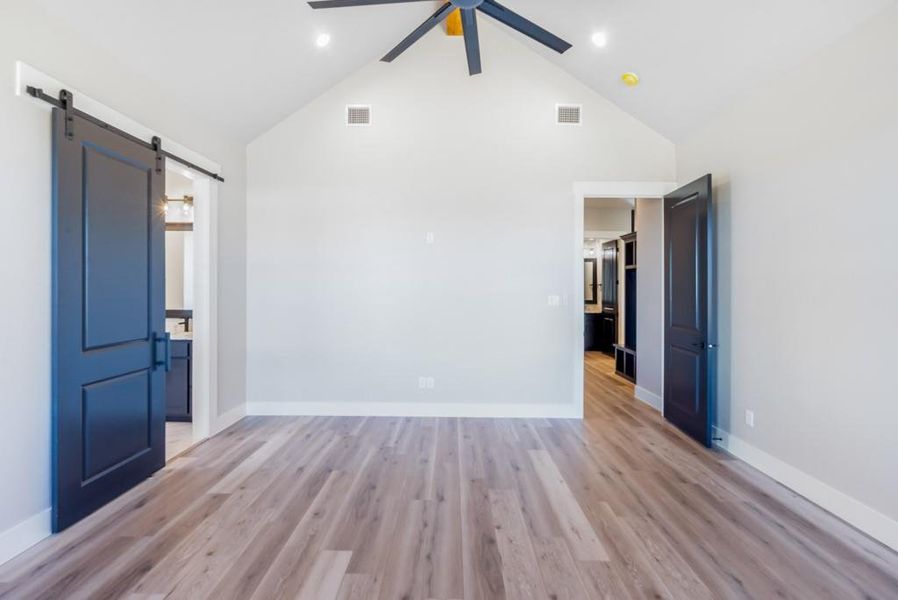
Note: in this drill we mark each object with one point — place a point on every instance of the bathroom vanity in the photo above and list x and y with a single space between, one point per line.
179 380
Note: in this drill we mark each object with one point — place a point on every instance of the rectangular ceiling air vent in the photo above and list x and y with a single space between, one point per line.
358 114
568 114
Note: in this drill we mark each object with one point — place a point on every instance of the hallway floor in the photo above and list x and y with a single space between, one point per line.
620 505
178 438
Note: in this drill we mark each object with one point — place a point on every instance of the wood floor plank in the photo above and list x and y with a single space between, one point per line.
616 506
520 571
481 561
558 569
575 526
326 576
288 570
358 586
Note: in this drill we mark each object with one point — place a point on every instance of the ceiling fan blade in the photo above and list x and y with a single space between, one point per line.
472 40
528 28
437 18
345 3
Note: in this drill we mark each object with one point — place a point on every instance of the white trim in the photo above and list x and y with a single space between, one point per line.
623 189
205 321
650 398
596 189
229 418
867 519
414 409
19 538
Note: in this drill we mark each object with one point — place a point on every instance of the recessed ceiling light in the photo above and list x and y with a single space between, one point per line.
600 39
630 79
323 40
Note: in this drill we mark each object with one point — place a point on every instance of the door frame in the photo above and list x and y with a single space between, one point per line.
598 189
208 421
204 407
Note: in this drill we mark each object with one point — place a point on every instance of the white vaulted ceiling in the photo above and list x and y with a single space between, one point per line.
247 64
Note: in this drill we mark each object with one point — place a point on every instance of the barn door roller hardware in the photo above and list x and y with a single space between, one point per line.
66 103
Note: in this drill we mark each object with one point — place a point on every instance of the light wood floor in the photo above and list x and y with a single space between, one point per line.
618 506
178 438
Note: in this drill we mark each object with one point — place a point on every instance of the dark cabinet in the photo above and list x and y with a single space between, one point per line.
592 333
625 363
598 333
609 332
625 353
179 382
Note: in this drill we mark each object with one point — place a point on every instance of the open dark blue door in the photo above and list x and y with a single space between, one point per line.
110 347
689 310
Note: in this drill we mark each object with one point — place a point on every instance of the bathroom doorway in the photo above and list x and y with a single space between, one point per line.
189 308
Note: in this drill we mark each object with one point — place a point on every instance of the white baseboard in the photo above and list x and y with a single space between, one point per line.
869 520
19 538
229 418
415 409
650 398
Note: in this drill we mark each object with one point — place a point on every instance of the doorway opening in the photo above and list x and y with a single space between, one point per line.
189 308
610 291
619 258
649 312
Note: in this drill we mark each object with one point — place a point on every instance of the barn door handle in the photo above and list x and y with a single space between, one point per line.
165 361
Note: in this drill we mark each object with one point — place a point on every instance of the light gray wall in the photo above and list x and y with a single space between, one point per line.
650 295
30 35
805 183
606 219
347 303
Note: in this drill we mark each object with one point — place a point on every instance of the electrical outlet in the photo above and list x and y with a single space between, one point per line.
429 238
750 418
422 383
554 300
430 383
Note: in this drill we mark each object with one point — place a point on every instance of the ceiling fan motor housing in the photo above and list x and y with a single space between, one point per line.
466 3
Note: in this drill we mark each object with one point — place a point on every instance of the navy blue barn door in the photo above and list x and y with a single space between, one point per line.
690 326
110 348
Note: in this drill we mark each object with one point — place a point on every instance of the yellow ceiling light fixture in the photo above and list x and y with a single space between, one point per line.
630 79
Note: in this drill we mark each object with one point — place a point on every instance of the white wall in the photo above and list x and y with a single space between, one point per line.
175 268
348 305
650 300
27 34
806 181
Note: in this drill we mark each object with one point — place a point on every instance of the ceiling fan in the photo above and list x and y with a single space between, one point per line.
469 10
